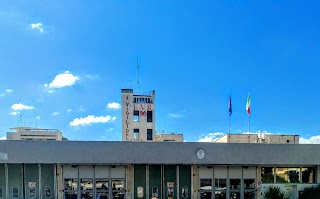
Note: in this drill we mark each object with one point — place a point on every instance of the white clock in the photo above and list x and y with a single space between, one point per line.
200 154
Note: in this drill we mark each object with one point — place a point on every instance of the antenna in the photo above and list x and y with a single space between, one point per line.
138 73
20 120
35 112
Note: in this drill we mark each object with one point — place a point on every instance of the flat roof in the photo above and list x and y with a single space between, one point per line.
118 152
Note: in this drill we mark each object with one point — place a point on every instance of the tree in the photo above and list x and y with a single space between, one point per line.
274 193
310 192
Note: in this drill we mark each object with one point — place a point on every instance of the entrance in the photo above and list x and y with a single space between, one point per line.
94 182
162 181
222 182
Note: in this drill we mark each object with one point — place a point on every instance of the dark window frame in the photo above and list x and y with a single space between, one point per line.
149 134
149 116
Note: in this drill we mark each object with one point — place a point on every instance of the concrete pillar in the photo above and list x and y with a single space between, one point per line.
59 182
130 181
195 181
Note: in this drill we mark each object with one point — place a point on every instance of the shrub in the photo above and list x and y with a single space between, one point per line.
274 193
310 192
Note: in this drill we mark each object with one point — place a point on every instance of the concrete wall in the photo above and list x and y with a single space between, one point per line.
259 138
169 138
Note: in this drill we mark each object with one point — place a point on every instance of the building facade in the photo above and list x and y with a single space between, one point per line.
141 170
33 165
30 133
259 138
138 115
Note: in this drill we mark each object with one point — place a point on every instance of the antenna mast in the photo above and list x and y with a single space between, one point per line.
138 73
35 112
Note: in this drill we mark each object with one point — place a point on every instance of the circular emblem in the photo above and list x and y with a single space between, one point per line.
200 154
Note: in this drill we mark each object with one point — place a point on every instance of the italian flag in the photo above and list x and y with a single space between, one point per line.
248 104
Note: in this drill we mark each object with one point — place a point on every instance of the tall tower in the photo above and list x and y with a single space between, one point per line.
138 115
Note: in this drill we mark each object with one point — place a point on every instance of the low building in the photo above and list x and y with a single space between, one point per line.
145 165
29 133
166 170
258 138
169 137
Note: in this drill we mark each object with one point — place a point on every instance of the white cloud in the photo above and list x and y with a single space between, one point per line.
69 110
14 113
92 76
211 137
63 80
37 26
3 138
311 140
114 105
175 115
55 113
91 119
109 129
5 92
18 107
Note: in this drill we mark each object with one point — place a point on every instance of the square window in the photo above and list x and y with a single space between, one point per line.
136 116
308 175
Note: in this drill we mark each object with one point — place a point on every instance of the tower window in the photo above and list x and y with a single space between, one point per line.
136 116
136 134
149 116
149 134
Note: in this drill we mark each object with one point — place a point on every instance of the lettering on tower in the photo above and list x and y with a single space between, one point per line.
127 117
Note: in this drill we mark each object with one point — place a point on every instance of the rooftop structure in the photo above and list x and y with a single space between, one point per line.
138 118
29 133
259 138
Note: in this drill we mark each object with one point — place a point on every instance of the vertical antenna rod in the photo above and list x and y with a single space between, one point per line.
35 112
138 73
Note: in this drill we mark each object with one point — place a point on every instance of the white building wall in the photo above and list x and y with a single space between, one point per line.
142 103
127 114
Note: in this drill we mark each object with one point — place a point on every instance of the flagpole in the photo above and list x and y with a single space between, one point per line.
230 108
248 111
229 123
249 122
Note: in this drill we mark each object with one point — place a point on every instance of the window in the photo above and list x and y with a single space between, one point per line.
70 184
287 175
155 191
184 192
136 116
70 188
149 134
86 188
220 188
205 188
32 192
235 187
15 192
149 116
249 188
140 192
308 175
48 192
118 188
136 134
102 188
267 175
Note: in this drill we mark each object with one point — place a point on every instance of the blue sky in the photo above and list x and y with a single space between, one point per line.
66 60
